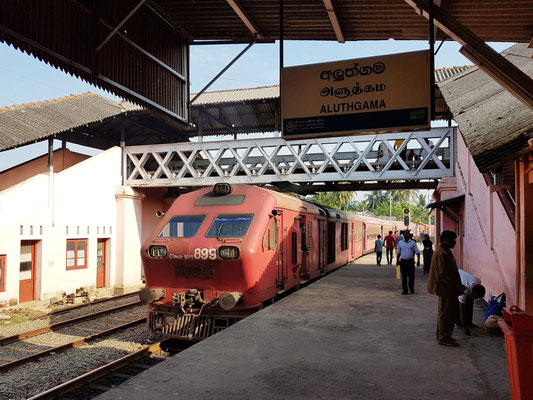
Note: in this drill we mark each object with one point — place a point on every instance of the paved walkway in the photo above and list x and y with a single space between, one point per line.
350 335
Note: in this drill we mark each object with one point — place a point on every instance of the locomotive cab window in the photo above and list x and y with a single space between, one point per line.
230 225
182 226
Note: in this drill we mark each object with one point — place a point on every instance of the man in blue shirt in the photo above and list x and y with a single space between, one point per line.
407 249
378 248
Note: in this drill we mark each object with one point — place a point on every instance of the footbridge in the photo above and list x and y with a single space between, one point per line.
407 160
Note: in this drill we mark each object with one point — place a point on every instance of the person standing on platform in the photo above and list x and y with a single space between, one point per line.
389 246
427 253
378 248
396 241
474 290
445 282
407 249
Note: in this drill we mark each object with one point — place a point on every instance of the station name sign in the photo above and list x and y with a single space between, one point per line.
363 96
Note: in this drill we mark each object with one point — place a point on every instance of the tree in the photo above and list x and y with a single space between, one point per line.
393 202
340 200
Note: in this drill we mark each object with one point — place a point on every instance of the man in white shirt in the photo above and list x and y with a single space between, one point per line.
407 249
474 290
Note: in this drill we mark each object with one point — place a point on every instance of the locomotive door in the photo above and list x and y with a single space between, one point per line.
280 251
293 256
27 272
100 263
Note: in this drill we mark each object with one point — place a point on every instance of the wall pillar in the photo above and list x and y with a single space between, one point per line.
525 241
128 266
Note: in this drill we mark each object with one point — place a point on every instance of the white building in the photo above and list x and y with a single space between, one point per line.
66 221
65 231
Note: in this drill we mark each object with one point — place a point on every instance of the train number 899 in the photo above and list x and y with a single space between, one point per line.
204 254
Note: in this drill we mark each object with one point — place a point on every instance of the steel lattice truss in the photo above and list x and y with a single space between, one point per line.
408 159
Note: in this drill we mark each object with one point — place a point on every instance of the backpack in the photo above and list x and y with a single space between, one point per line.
496 305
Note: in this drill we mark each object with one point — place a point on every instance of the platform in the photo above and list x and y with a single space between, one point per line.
350 335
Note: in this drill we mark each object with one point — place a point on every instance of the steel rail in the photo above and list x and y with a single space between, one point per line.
96 373
49 328
67 346
97 301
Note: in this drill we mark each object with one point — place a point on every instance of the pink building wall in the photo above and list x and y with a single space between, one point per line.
62 159
485 232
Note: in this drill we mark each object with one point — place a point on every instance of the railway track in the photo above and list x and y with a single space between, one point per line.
105 377
92 303
33 361
18 350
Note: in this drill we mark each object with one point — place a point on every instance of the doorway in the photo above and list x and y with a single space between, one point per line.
101 262
27 271
2 273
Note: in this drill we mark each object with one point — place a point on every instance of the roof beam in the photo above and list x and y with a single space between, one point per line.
245 18
334 21
477 51
166 18
121 23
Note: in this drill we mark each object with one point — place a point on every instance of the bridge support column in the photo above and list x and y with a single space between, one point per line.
524 224
128 267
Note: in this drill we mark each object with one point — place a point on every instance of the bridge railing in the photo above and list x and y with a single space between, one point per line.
406 156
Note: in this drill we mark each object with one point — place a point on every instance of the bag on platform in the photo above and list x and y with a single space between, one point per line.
496 305
398 273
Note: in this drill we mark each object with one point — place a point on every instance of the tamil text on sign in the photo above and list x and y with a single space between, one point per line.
367 95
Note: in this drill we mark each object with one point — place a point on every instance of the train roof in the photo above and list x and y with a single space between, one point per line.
282 200
294 203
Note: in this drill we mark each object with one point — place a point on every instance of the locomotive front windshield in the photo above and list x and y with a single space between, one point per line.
182 226
230 225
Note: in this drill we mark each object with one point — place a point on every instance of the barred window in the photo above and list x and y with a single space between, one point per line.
76 253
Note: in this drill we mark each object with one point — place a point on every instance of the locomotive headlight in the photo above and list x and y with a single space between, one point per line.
228 252
158 251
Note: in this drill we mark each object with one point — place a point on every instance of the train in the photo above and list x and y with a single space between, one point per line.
221 253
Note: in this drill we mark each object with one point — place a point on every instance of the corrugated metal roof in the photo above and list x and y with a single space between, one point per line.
32 122
236 95
442 74
490 20
272 91
495 125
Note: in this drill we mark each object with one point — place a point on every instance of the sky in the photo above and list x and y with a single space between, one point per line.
25 79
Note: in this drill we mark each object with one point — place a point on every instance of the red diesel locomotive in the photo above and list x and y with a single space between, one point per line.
219 254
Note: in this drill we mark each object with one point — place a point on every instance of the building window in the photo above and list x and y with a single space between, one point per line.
2 273
76 253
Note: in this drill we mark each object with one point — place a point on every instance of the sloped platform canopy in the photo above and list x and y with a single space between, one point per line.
87 119
495 125
139 49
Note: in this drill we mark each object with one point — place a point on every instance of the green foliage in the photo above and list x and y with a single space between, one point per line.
393 202
380 203
339 200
